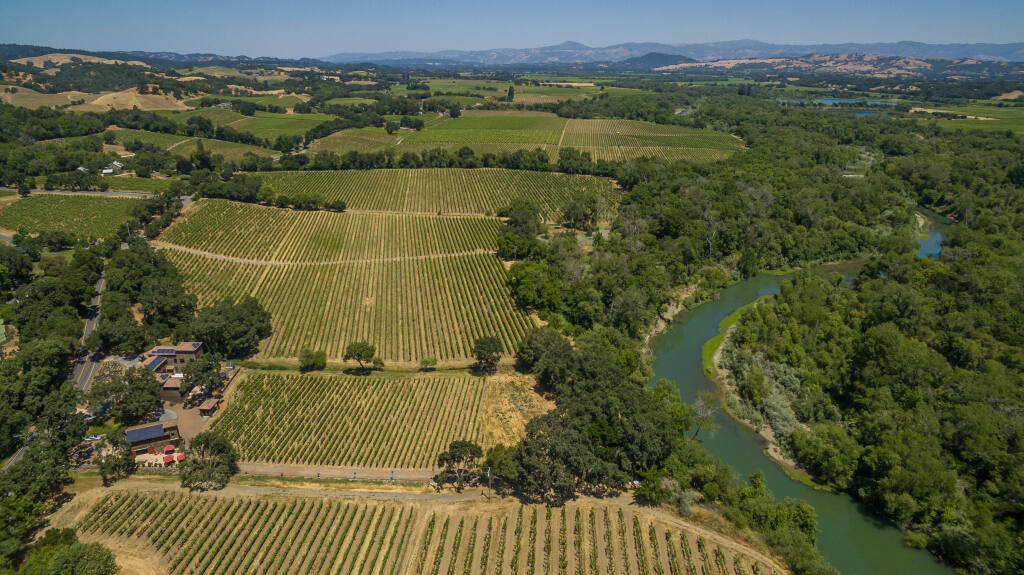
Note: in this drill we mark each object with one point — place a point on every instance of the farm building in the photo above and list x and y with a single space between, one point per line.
209 407
170 359
152 437
113 168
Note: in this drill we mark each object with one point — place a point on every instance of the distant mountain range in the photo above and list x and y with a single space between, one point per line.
576 53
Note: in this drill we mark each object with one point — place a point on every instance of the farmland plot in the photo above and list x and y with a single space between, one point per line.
81 215
430 306
206 533
350 421
271 234
270 125
495 127
452 190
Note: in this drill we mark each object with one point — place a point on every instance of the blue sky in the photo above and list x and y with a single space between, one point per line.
318 28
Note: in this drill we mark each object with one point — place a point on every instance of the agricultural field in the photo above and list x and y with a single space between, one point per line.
131 183
219 116
498 127
206 533
269 125
283 100
155 138
979 117
447 191
350 101
352 421
254 232
411 308
364 140
505 132
82 215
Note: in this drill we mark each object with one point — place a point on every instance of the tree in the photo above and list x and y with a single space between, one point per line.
510 96
455 111
210 462
361 351
117 462
310 360
83 559
705 406
200 373
131 398
232 330
17 516
391 127
25 186
460 458
487 351
428 364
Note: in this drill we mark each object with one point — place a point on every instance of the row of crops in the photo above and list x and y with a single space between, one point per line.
82 215
633 133
580 539
205 534
441 190
262 233
498 127
210 534
410 309
350 421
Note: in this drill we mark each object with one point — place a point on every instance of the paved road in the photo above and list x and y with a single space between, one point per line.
86 365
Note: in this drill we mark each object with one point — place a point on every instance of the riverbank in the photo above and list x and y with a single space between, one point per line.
676 306
728 393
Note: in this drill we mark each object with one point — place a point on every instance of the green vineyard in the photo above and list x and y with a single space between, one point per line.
270 234
446 191
433 306
332 535
81 215
351 421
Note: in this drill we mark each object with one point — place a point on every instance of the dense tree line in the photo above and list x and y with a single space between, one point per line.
904 388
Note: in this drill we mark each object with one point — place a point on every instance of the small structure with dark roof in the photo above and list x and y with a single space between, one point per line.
209 407
152 437
171 358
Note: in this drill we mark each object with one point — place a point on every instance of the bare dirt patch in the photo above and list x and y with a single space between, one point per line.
1014 95
937 111
509 404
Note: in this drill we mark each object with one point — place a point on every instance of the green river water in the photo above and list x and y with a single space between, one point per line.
853 540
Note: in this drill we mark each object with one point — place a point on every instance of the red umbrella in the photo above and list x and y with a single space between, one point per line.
168 459
168 449
181 457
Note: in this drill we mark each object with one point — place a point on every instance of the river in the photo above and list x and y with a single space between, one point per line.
853 540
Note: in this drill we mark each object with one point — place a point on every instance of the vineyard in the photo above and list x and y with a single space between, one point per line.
351 421
507 132
271 234
260 534
452 190
80 215
432 306
270 125
501 127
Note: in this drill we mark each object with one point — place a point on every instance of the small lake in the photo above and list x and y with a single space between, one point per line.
852 539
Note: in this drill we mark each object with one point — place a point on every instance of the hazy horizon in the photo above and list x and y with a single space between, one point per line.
316 28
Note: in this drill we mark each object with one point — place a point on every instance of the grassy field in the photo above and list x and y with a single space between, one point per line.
183 145
467 191
283 100
352 421
83 216
218 116
217 533
270 126
271 234
156 138
130 183
357 139
506 132
350 101
996 117
500 127
411 308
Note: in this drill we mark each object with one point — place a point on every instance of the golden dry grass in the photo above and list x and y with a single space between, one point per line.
61 58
